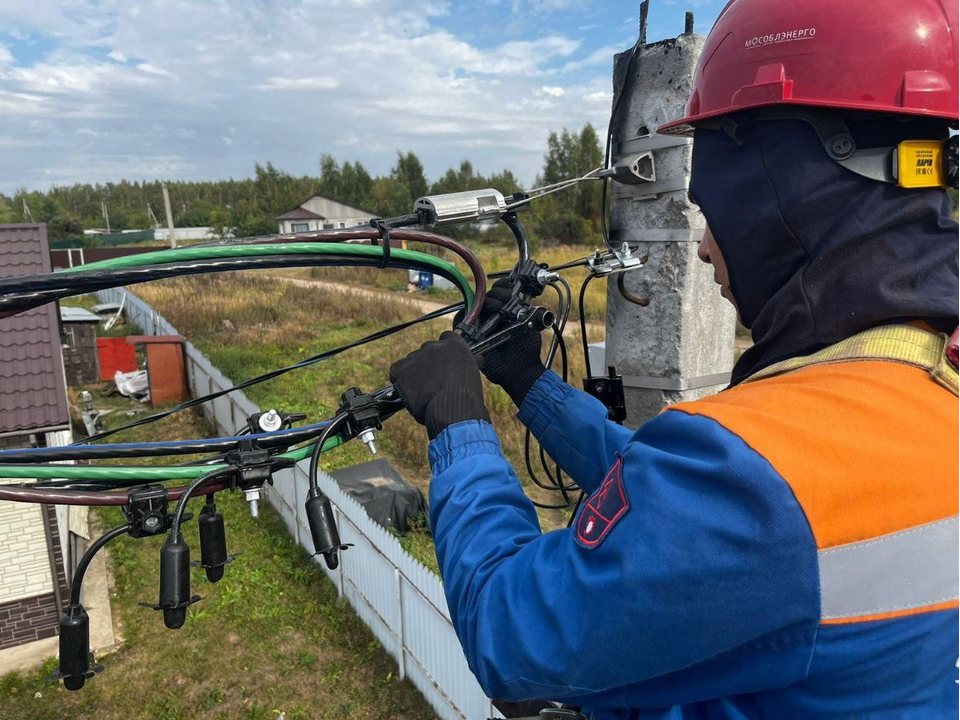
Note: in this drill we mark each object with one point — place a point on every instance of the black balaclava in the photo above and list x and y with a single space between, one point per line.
815 252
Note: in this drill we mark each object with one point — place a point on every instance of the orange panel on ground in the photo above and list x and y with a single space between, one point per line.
165 367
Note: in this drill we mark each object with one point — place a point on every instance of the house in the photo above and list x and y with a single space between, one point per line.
35 540
321 213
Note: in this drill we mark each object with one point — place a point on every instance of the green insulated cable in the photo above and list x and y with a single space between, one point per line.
214 252
145 473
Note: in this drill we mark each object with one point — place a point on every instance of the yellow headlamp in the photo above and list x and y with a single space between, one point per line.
925 163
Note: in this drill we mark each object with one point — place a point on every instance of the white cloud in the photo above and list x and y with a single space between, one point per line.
598 96
154 70
599 57
359 77
303 83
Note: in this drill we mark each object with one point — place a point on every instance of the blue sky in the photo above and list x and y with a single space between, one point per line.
99 90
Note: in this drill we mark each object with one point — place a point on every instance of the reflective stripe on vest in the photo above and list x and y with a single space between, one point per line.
904 344
902 571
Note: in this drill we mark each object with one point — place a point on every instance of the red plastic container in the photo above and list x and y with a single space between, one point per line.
115 354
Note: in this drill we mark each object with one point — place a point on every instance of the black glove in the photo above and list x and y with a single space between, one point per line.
515 365
440 384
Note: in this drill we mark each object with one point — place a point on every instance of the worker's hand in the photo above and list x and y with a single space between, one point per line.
515 365
440 384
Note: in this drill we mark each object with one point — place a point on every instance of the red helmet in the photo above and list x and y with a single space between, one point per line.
887 56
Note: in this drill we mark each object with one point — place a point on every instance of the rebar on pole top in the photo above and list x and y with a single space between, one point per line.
644 7
688 23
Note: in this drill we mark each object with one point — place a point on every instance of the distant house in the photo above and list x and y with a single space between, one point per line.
35 540
321 213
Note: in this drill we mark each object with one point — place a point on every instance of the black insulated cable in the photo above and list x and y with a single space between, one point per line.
55 286
75 663
82 451
583 323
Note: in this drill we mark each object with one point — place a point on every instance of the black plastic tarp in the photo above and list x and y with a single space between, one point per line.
389 499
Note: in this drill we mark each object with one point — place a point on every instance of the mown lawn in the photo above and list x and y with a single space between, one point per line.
270 640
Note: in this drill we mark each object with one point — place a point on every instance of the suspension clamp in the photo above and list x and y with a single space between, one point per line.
255 465
533 277
272 420
363 416
146 511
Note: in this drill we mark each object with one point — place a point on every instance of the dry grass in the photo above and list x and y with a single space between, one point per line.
493 257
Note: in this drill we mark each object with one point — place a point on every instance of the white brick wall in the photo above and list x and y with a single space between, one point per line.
24 559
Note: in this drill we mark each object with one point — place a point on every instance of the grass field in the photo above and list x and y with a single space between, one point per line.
270 640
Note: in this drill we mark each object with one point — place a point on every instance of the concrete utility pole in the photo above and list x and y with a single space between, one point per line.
166 205
679 345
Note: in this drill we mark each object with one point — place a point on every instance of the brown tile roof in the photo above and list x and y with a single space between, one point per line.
32 390
300 214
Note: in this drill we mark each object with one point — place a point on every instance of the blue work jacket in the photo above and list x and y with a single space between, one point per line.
714 571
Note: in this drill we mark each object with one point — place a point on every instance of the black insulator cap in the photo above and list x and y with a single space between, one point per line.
213 542
323 528
74 647
174 581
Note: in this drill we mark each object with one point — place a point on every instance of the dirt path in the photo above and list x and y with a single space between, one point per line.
422 305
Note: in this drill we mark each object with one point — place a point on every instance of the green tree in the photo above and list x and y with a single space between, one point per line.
356 185
573 215
254 225
408 172
6 209
64 227
350 184
275 191
197 214
222 222
389 197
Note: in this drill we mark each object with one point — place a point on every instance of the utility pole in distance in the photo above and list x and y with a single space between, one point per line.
166 205
669 333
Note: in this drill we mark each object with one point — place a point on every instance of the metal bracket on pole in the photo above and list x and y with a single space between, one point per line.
646 143
652 190
634 164
635 236
676 384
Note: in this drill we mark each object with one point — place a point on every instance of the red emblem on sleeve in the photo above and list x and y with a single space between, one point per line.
603 509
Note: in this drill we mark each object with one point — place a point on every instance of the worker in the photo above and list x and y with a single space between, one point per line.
786 548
